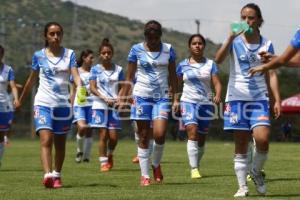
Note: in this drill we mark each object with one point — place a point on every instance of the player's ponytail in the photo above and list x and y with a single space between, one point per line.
105 43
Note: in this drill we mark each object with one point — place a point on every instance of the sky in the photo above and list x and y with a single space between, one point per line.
281 17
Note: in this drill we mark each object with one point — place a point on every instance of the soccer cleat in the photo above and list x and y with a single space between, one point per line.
242 192
105 167
195 174
249 177
258 181
78 157
157 174
48 182
110 161
57 183
86 160
135 159
145 181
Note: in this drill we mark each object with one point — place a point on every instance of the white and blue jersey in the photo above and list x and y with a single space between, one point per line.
6 75
107 83
243 56
247 101
54 73
6 109
295 42
52 108
152 70
197 80
196 105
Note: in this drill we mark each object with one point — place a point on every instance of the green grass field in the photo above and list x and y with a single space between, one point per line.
20 174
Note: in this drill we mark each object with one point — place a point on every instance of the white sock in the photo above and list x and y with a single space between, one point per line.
79 141
157 154
201 151
87 147
136 138
240 168
56 174
259 159
6 139
103 160
143 155
46 175
1 150
192 151
151 144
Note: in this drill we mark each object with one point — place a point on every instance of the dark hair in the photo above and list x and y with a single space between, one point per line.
197 35
2 49
47 27
105 43
83 55
257 10
153 26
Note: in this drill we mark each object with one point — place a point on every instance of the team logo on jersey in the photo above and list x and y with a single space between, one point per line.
154 63
233 118
252 58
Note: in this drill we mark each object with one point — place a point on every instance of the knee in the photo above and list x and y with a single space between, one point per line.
46 143
192 132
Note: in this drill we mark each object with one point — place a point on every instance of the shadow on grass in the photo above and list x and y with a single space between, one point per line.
218 175
21 170
282 179
92 185
282 195
127 170
181 183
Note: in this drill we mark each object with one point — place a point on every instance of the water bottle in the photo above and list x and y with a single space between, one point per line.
237 27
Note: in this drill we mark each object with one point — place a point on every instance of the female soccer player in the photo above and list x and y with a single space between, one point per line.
52 108
83 110
105 85
197 109
154 63
247 102
7 77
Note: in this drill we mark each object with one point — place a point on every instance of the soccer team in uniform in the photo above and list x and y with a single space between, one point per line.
100 91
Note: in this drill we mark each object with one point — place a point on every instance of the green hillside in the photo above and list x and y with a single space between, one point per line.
23 23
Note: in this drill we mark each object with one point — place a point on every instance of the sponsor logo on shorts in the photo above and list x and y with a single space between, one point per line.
164 114
263 118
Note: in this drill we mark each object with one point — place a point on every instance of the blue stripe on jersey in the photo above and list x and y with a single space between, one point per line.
11 75
40 60
295 42
242 57
192 76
